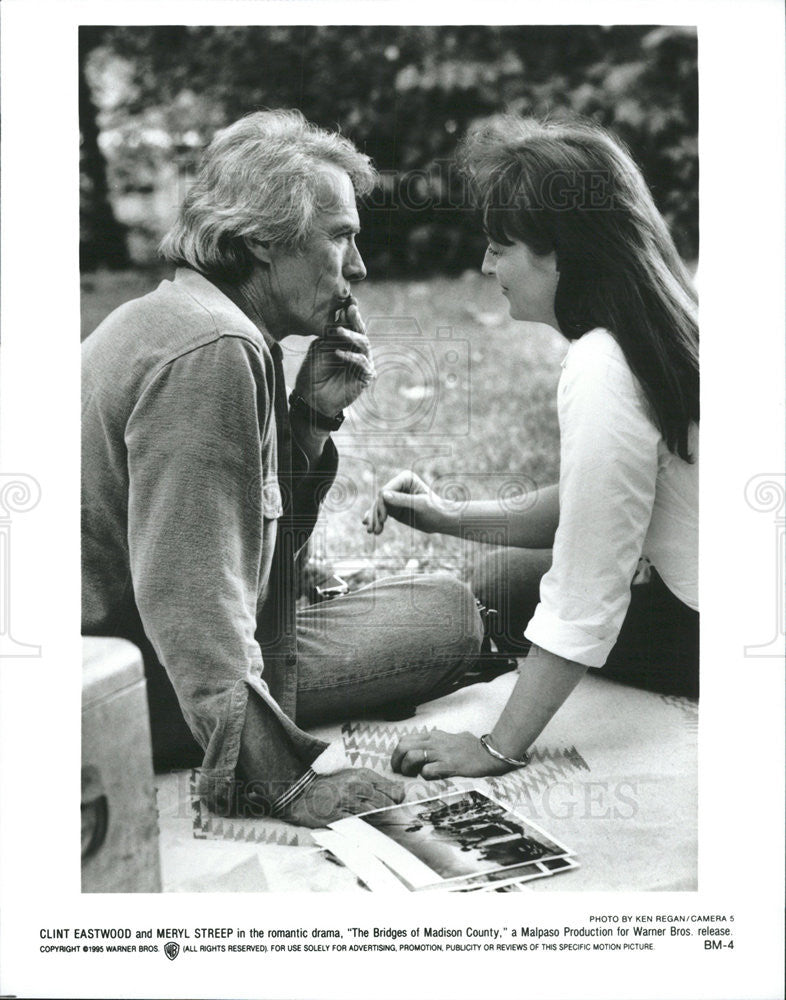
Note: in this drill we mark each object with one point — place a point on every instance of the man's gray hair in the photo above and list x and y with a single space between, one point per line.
259 179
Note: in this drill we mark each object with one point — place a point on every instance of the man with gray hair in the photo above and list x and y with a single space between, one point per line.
202 482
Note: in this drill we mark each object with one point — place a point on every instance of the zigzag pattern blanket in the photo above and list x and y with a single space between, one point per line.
613 776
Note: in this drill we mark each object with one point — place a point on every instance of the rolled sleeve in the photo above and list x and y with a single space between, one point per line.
608 473
269 770
567 639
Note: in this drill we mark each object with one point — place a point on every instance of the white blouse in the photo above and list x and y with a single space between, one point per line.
623 495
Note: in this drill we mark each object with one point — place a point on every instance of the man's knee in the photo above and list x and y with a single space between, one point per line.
434 610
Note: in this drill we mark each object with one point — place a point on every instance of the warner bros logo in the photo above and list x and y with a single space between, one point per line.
171 950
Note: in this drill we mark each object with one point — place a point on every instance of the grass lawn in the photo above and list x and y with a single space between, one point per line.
465 397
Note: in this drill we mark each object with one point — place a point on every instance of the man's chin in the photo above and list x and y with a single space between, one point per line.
316 326
297 328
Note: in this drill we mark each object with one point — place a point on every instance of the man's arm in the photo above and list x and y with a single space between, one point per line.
311 440
299 796
201 546
200 542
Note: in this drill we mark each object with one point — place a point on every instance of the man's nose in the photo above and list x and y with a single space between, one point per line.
354 268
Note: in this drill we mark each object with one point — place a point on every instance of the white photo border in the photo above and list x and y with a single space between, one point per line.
741 60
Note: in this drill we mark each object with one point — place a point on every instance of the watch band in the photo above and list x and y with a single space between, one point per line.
314 417
486 744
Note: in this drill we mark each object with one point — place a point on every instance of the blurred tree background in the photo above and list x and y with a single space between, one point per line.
152 97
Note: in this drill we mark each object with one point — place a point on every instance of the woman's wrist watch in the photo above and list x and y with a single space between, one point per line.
315 419
485 742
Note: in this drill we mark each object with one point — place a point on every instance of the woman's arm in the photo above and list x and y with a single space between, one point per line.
608 473
408 499
545 682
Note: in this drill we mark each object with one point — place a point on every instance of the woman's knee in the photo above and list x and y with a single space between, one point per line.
454 605
483 575
508 571
507 581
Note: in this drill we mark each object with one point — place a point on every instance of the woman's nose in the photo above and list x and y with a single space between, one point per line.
487 267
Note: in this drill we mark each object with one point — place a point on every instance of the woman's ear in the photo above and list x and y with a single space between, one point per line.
259 248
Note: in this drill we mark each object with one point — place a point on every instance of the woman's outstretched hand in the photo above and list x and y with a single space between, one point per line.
444 755
408 499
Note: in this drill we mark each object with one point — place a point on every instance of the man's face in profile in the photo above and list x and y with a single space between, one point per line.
310 285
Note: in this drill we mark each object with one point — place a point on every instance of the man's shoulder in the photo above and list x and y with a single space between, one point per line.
145 336
175 318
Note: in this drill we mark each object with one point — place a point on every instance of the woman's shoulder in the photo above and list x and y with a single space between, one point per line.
597 352
596 371
597 343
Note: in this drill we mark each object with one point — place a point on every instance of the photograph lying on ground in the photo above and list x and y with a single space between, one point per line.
507 877
450 837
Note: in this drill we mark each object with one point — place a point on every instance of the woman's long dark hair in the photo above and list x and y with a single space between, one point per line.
568 187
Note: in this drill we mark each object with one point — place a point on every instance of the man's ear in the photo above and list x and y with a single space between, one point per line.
260 249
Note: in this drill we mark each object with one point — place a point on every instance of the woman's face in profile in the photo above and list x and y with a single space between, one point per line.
529 282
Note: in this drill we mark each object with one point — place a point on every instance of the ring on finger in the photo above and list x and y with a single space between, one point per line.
425 756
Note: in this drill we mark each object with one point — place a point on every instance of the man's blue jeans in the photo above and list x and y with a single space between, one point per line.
399 642
380 650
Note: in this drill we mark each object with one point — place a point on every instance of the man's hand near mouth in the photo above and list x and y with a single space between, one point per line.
335 371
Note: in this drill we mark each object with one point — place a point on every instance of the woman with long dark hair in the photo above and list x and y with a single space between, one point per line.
601 570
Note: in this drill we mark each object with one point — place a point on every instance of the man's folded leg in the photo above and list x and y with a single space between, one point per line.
396 643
